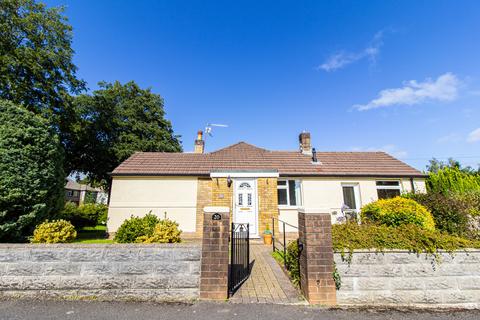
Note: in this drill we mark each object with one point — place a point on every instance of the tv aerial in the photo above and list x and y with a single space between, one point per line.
209 127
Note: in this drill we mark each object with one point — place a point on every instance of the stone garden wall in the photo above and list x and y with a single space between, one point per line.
402 278
113 271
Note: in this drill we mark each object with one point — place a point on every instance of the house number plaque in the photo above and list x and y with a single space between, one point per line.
216 216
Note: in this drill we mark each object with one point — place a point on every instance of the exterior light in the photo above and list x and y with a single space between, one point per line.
229 181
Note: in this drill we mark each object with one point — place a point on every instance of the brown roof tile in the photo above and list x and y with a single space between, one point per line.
246 157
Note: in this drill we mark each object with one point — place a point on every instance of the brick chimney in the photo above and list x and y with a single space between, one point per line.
305 143
199 143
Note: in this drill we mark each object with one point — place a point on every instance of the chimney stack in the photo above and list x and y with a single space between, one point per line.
199 143
305 143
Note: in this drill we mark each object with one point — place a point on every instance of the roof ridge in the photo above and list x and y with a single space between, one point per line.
235 145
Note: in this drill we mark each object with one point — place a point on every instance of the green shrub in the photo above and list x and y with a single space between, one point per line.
166 231
449 180
293 265
292 261
351 236
398 211
449 212
136 227
31 172
86 215
57 231
472 201
95 213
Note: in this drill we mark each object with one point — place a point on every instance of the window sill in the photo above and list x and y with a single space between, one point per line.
287 207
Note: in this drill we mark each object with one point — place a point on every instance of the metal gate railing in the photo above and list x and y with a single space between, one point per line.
239 255
280 243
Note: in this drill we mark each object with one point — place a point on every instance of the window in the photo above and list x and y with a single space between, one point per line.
244 185
289 193
388 189
349 197
69 193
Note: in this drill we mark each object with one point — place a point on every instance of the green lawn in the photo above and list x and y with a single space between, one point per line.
95 234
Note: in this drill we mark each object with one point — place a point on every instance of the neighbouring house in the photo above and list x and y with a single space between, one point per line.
255 183
80 193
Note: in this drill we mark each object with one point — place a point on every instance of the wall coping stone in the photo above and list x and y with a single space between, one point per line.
468 250
216 210
99 245
314 210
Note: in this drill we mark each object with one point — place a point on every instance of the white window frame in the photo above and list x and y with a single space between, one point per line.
299 198
399 187
356 194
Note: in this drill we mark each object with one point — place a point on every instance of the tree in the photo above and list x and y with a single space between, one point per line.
108 126
436 165
36 68
31 173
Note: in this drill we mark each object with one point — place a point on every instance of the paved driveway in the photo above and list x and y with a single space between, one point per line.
81 310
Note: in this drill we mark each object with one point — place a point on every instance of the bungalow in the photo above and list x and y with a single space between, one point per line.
255 183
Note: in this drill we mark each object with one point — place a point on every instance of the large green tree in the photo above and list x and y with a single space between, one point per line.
31 172
36 68
106 127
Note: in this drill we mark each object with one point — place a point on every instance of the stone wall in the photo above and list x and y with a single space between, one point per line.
402 278
115 271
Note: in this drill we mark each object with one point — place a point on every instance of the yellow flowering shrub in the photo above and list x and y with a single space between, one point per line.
56 231
398 211
166 231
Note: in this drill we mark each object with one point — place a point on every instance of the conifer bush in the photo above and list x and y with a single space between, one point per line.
32 179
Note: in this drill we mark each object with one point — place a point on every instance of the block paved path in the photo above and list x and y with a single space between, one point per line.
267 282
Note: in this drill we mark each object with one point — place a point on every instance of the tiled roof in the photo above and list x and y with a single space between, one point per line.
73 185
246 157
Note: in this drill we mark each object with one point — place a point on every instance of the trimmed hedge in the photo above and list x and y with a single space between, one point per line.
351 236
396 212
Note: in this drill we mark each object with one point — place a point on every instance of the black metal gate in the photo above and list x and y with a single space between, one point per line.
239 256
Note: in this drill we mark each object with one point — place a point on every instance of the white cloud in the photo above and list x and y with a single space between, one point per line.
474 136
452 137
444 88
391 149
341 59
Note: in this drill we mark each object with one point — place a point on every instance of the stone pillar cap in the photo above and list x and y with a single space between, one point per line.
216 209
314 210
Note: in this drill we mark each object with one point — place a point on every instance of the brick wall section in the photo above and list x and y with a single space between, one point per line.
267 202
316 259
221 193
214 269
204 199
401 278
167 272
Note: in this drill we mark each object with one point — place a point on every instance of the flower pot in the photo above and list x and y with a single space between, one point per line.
267 239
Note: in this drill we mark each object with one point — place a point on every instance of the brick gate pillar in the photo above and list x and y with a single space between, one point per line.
316 259
214 265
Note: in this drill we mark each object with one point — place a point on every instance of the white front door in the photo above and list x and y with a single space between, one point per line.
246 209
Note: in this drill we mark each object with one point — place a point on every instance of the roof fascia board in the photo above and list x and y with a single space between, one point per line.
233 174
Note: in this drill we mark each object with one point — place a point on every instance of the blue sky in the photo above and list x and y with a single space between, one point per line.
398 76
